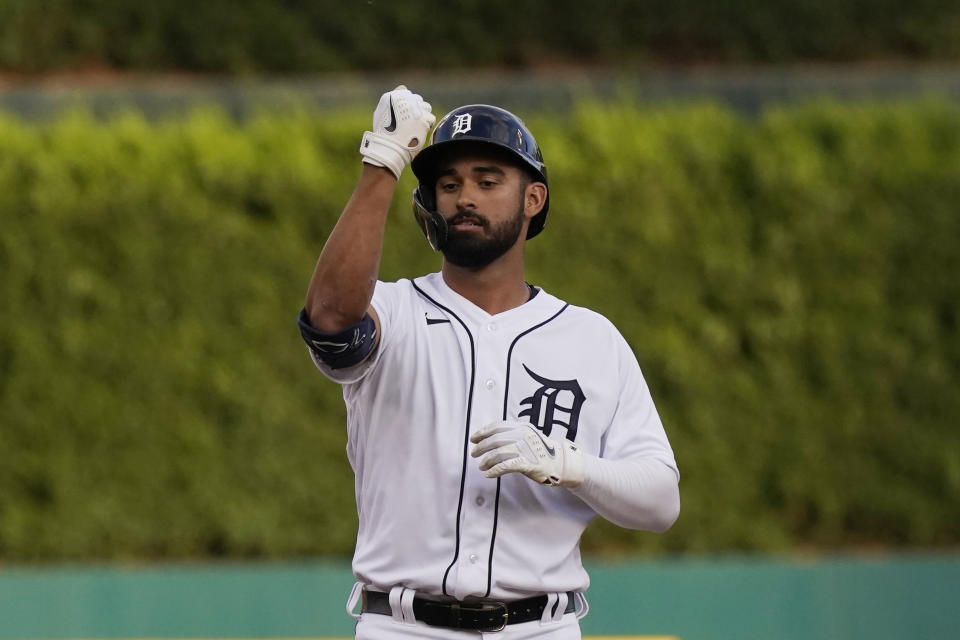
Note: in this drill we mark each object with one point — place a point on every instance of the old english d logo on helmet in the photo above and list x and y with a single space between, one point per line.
475 123
461 123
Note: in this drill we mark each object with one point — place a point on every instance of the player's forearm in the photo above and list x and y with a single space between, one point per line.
343 281
635 494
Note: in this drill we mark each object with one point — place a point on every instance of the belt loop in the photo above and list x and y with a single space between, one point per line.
584 609
353 598
561 607
394 599
406 605
547 615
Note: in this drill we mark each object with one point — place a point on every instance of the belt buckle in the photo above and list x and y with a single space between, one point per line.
494 609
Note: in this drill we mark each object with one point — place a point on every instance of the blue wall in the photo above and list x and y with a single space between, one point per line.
836 598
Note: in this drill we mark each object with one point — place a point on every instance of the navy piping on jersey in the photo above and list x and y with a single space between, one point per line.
466 431
506 394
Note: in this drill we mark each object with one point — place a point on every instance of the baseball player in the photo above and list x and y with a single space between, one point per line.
487 420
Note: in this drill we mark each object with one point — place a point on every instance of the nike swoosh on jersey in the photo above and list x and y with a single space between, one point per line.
393 119
436 321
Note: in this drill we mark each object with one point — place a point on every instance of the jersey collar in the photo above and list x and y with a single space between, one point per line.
539 307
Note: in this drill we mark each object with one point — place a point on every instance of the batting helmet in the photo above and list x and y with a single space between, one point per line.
475 123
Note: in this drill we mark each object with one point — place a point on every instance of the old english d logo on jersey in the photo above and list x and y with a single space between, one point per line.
556 402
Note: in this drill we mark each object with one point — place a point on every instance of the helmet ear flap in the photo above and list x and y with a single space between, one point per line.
432 224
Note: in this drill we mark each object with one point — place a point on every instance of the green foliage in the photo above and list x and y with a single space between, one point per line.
789 285
324 35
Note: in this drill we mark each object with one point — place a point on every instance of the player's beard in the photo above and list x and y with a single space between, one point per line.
473 250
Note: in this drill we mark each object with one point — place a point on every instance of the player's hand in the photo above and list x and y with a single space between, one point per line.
509 447
400 126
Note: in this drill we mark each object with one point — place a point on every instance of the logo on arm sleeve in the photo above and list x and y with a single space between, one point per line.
554 403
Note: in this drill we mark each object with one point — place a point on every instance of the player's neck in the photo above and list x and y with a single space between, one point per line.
498 287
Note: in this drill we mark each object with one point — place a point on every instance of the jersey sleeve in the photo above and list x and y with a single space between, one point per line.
635 432
387 300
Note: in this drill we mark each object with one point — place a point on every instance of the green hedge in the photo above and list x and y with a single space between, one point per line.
789 285
325 35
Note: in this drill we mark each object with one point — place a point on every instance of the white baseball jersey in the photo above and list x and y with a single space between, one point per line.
428 518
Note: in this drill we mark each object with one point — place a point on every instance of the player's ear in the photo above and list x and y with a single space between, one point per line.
535 196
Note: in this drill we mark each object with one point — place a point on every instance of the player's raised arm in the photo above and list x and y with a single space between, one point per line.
343 281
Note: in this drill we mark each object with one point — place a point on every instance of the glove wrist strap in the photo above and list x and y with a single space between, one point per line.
381 152
573 471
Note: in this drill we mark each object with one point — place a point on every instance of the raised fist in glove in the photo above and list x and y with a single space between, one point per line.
400 126
509 447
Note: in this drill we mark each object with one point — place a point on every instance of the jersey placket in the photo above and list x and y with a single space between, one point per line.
478 523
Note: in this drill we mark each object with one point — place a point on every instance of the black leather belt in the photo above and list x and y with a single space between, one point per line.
475 614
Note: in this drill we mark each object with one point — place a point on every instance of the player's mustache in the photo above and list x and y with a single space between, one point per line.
468 216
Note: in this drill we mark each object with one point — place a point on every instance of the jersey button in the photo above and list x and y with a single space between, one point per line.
491 327
474 558
480 501
490 384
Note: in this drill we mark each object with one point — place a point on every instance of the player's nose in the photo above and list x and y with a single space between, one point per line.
466 197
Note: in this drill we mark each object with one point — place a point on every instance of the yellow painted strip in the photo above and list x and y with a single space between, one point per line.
327 638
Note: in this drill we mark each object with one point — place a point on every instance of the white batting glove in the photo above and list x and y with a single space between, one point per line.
509 447
401 122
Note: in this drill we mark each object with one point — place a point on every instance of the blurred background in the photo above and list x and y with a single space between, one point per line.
763 196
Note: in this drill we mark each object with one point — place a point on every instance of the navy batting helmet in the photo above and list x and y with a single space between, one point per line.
475 123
